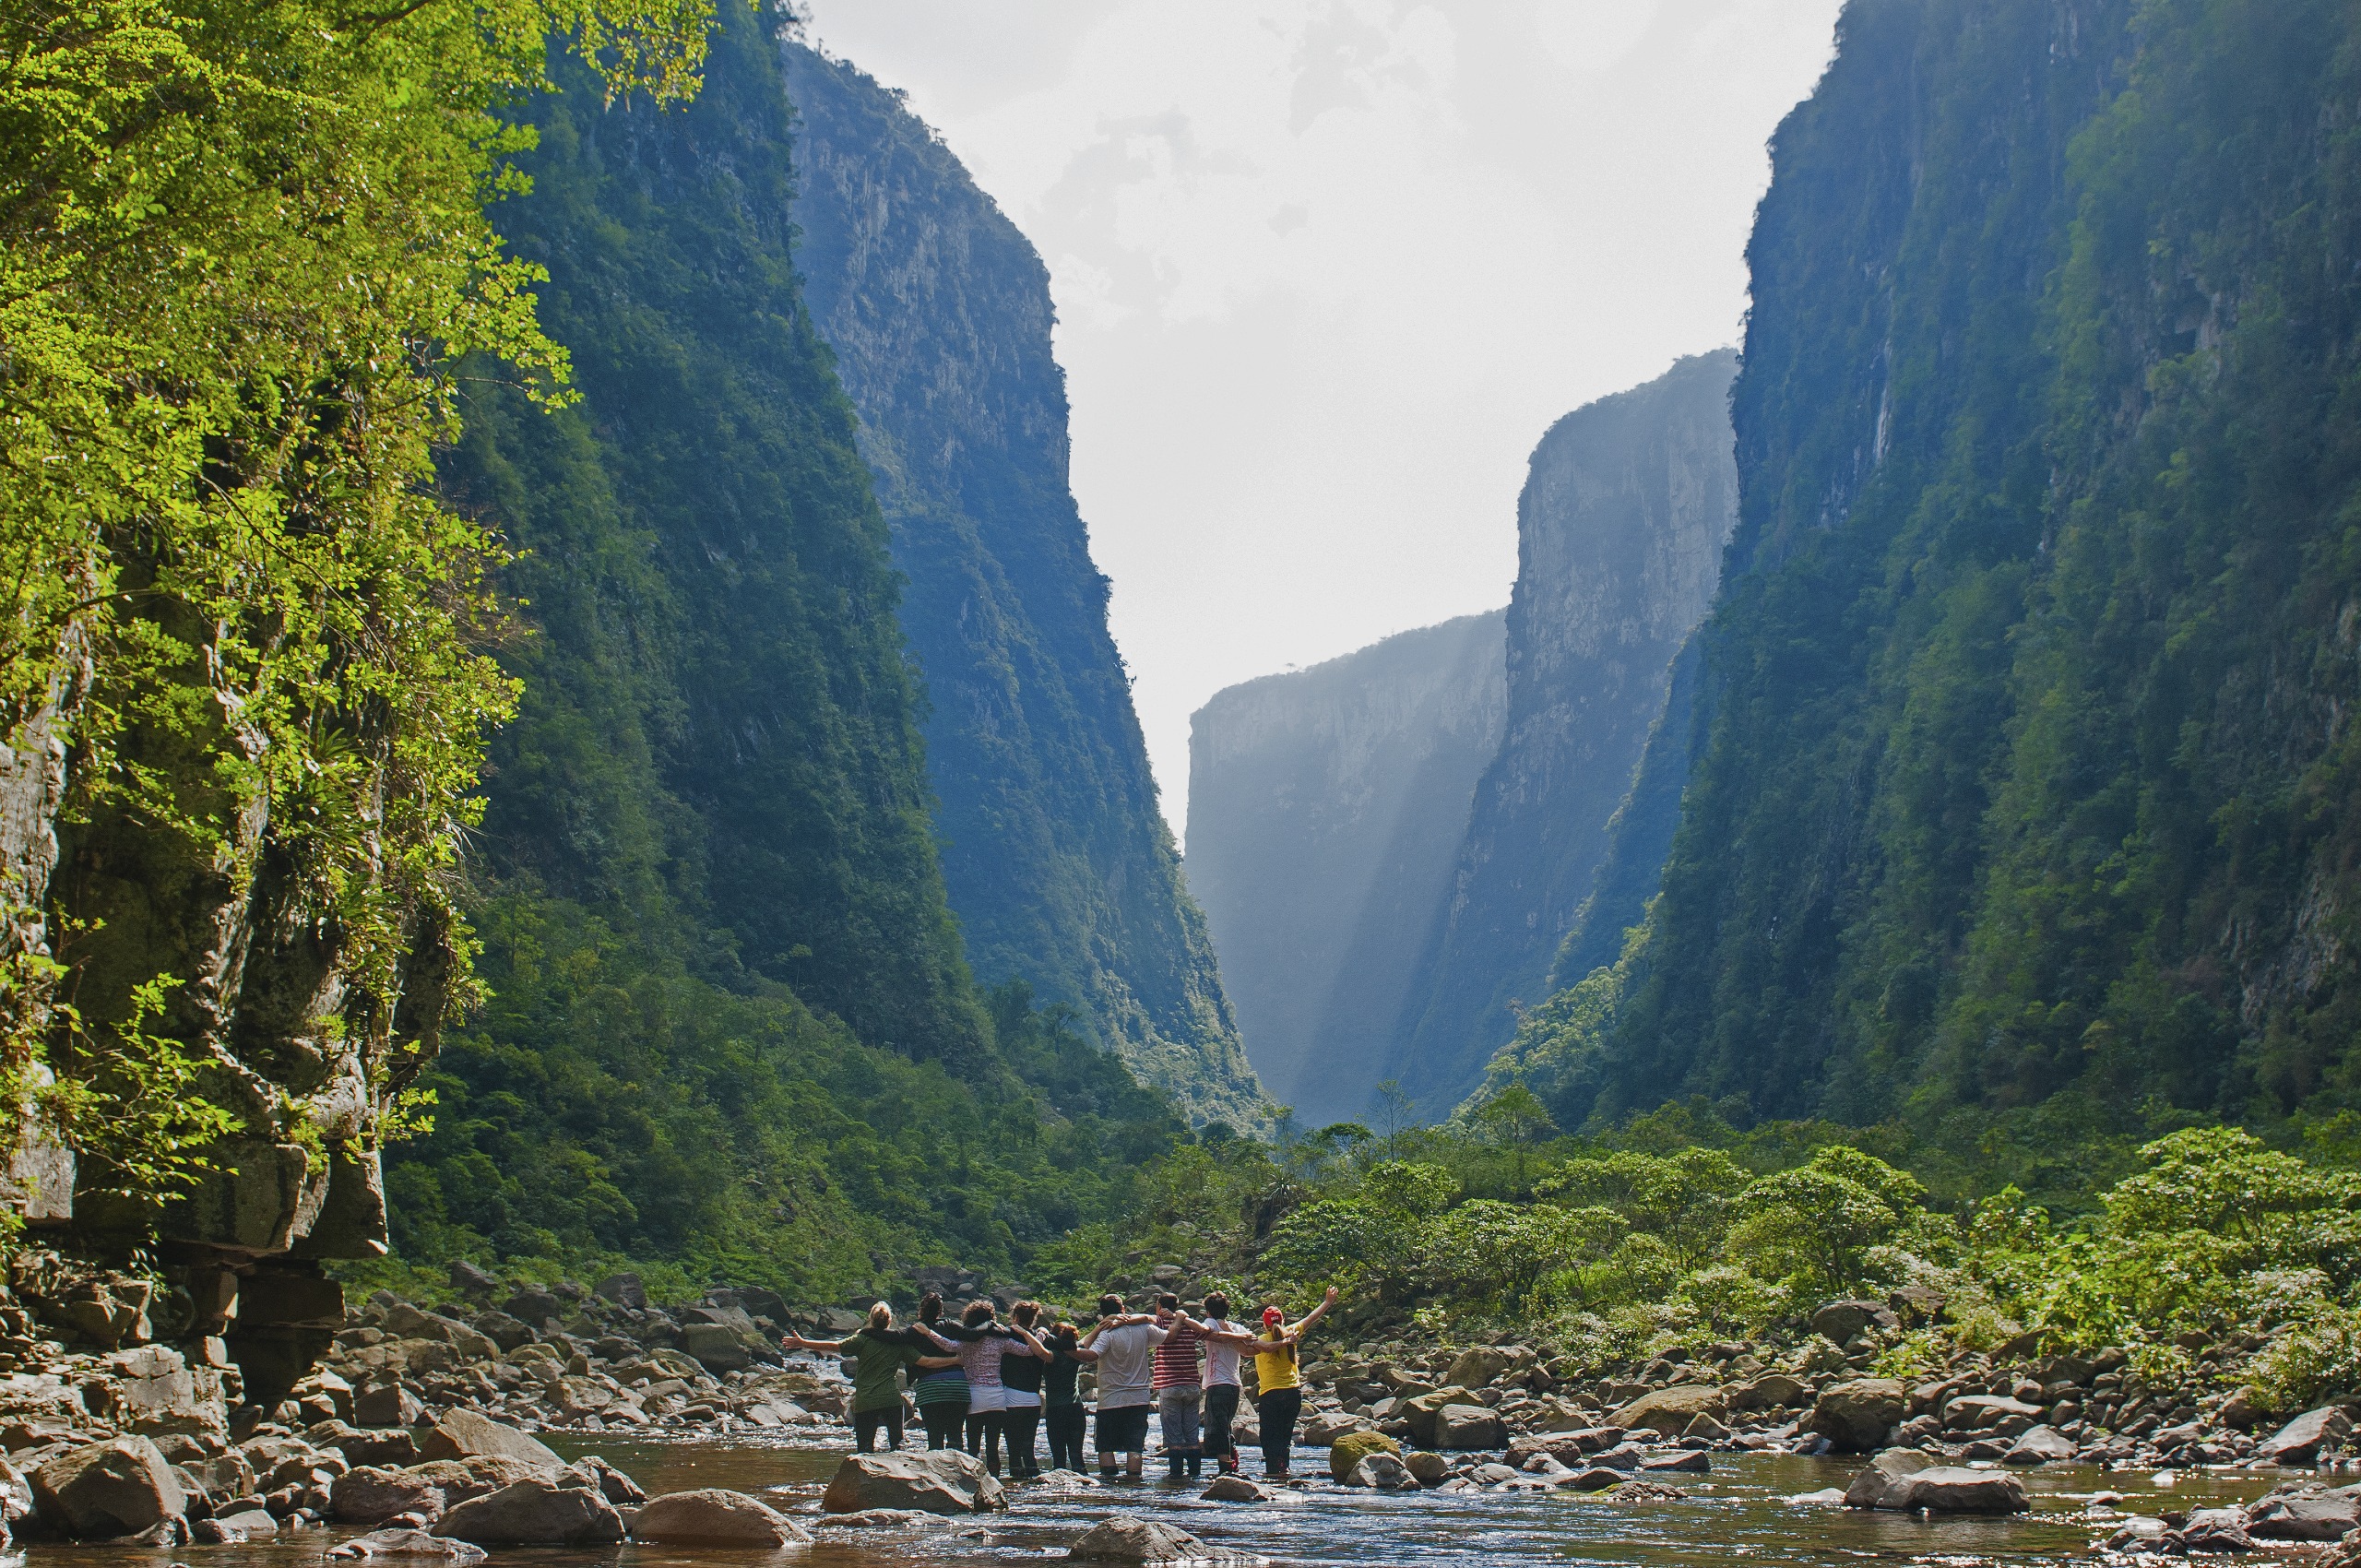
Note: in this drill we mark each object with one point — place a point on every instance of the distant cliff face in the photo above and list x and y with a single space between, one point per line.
2023 797
1057 858
1620 531
1325 808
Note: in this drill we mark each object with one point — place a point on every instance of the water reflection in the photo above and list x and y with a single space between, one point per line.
1738 1514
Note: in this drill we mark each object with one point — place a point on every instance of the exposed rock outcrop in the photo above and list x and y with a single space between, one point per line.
1056 857
1325 808
1621 528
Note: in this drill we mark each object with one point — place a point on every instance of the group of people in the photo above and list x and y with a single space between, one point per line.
980 1383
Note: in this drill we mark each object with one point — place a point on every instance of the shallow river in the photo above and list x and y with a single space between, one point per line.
1736 1513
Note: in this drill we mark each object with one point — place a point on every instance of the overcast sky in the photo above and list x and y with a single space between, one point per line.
1326 270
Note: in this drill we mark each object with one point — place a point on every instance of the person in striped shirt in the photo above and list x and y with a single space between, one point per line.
1179 1393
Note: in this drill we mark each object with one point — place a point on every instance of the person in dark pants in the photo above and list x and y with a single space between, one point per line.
1064 1415
1278 1359
880 1351
1224 1342
941 1394
1020 1373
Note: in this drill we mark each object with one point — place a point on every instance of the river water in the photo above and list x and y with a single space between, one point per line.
1736 1514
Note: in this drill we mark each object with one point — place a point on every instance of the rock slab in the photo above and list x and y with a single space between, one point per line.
103 1490
538 1512
942 1482
713 1516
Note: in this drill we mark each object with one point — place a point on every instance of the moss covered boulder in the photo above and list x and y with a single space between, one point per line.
1355 1446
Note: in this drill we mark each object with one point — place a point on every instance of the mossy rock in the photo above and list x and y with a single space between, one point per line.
1355 1446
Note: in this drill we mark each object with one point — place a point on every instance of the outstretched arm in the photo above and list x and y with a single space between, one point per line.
1315 1314
1240 1339
939 1339
1039 1350
826 1347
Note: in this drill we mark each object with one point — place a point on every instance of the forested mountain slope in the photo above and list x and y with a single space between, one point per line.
731 1026
1327 807
1619 531
1058 861
2025 787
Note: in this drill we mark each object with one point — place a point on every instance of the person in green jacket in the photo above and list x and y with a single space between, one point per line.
880 1352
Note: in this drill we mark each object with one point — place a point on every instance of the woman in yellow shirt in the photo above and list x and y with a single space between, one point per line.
1278 1380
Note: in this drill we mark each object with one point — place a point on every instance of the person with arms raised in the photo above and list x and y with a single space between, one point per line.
1278 1362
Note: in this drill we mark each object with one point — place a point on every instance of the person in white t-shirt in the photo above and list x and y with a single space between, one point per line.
1224 1341
1126 1345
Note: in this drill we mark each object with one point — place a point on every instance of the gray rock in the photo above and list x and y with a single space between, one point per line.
231 1529
1597 1477
467 1434
2299 1442
1236 1489
385 1545
2325 1517
372 1495
1465 1427
1982 1412
503 1330
1432 1469
1770 1392
613 1484
942 1482
1869 1488
104 1490
1841 1320
716 1347
1127 1538
1949 1488
1383 1472
1855 1415
2042 1446
469 1279
624 1290
713 1516
1694 1462
534 1513
2214 1529
1479 1367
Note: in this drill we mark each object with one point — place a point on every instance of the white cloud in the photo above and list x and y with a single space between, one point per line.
1325 270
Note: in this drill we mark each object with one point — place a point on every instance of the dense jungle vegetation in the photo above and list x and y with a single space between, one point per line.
1678 1231
2023 794
732 1033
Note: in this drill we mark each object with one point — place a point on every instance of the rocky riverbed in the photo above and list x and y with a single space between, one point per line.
477 1420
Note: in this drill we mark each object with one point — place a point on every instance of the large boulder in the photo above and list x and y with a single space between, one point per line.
372 1495
1987 1412
1236 1489
2328 1516
1770 1392
1479 1367
1841 1320
1668 1411
465 1435
942 1482
539 1512
103 1490
714 1517
2042 1446
1382 1472
716 1347
1421 1409
1465 1427
1869 1488
1855 1416
1955 1489
1353 1447
2214 1530
2299 1442
1127 1538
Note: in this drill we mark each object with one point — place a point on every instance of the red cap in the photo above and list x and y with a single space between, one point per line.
1271 1315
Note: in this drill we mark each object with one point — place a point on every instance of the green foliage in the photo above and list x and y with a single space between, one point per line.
241 250
730 1032
2021 806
